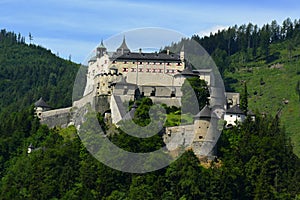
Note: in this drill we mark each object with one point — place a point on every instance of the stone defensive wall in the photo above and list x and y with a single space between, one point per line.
179 136
57 118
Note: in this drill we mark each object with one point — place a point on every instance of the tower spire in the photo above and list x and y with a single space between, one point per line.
123 47
101 49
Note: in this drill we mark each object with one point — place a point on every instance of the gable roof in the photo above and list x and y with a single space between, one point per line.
235 110
41 103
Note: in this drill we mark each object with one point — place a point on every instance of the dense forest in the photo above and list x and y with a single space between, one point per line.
255 159
249 42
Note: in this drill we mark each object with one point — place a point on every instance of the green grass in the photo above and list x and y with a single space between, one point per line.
280 85
176 119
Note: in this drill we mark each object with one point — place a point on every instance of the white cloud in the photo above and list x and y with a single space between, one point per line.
213 29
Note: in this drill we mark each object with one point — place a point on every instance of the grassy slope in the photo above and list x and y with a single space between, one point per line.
280 85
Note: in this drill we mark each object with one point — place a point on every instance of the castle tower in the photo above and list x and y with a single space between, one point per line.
101 50
41 106
123 48
201 124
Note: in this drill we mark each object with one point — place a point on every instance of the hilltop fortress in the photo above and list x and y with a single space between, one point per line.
115 78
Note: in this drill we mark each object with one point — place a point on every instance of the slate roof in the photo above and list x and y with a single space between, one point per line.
235 110
41 103
123 47
204 113
188 72
101 45
147 56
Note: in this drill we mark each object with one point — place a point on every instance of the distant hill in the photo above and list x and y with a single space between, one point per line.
28 72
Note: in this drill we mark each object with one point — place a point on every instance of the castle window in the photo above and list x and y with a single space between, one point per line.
113 61
141 63
133 62
160 63
230 115
239 116
167 71
148 70
160 70
125 69
152 94
125 62
200 137
153 70
178 64
140 69
132 69
168 63
148 63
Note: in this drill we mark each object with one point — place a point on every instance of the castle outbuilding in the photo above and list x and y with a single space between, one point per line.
41 106
233 116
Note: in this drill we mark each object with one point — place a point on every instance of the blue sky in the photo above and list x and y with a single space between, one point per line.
75 27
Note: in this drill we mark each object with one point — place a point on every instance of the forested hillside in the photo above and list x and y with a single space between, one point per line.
266 59
28 72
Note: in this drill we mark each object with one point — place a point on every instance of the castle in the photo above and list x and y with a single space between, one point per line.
114 78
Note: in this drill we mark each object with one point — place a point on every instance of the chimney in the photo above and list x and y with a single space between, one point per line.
140 50
168 52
